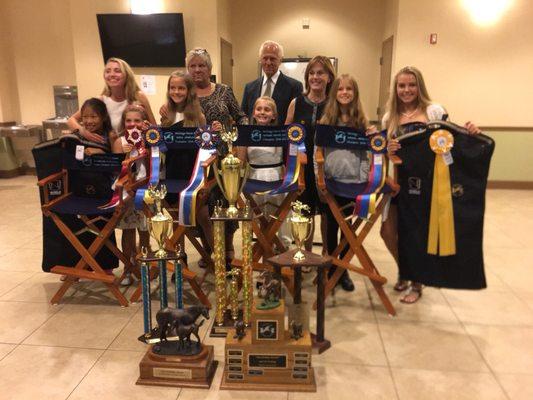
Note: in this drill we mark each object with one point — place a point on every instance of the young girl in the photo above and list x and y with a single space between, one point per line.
134 117
266 163
345 165
96 121
409 102
120 90
184 109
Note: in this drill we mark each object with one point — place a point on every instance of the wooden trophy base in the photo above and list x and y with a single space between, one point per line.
284 366
222 330
195 371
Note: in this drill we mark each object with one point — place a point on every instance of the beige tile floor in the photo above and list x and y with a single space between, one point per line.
450 345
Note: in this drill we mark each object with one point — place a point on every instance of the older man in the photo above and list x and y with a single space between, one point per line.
272 82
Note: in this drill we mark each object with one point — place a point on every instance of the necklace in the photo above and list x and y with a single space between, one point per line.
409 115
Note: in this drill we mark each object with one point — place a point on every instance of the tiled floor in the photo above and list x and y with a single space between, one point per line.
450 345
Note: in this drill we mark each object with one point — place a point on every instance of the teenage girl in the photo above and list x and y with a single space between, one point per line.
349 166
134 117
120 90
184 109
409 102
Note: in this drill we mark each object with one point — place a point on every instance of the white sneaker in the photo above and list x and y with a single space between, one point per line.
127 280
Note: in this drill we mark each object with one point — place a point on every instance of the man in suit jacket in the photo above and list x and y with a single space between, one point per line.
272 82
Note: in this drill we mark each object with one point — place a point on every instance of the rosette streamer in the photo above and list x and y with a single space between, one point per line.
441 235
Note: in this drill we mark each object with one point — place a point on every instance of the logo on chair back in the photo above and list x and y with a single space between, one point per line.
340 137
90 189
457 190
256 136
415 185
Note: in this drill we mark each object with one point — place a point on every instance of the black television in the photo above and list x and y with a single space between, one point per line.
152 40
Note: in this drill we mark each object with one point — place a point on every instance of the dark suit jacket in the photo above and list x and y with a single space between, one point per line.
285 90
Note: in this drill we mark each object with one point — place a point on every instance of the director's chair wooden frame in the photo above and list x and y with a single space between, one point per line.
190 232
88 267
355 230
266 227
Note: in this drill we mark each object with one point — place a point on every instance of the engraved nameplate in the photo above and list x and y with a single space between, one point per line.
174 373
299 375
235 376
301 355
234 360
255 372
300 369
234 352
234 368
267 360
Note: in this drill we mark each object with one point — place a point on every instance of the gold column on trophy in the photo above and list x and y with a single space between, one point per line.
220 267
300 227
247 287
160 225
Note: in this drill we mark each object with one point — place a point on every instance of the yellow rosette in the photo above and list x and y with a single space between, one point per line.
441 236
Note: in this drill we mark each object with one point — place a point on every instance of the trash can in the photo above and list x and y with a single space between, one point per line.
23 138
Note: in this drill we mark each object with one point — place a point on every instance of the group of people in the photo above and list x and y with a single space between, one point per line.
272 99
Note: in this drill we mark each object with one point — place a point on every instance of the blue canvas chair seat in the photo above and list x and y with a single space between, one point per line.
175 185
351 190
253 186
81 205
353 227
71 197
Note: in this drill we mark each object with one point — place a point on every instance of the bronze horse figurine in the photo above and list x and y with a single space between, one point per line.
184 332
270 290
167 318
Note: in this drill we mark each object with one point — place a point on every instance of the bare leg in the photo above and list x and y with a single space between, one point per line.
389 234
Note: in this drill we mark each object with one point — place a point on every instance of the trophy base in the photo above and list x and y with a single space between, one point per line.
229 322
283 366
194 371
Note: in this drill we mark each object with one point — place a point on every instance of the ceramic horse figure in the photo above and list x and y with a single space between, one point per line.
167 318
270 291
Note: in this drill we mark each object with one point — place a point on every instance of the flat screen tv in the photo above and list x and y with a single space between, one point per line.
153 40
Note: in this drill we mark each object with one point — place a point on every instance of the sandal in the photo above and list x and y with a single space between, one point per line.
401 285
413 294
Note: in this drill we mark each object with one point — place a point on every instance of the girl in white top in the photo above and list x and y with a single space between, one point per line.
266 163
119 91
133 117
409 102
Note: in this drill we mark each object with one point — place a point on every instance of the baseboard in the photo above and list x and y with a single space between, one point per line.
517 185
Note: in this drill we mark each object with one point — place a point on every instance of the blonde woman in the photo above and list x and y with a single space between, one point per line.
120 90
409 102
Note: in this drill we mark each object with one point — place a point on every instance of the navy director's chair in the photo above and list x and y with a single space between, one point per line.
76 193
368 201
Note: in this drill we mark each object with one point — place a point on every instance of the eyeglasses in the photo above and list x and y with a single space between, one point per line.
200 51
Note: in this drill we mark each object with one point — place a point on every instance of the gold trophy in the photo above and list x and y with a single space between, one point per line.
160 225
300 227
232 173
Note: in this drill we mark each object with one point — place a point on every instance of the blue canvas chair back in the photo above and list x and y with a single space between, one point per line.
268 136
345 138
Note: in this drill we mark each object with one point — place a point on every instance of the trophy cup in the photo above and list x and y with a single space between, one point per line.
160 225
300 227
232 173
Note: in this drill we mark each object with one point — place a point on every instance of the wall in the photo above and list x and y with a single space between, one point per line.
482 73
9 102
41 55
350 31
199 17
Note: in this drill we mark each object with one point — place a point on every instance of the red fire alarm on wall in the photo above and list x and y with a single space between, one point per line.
433 38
